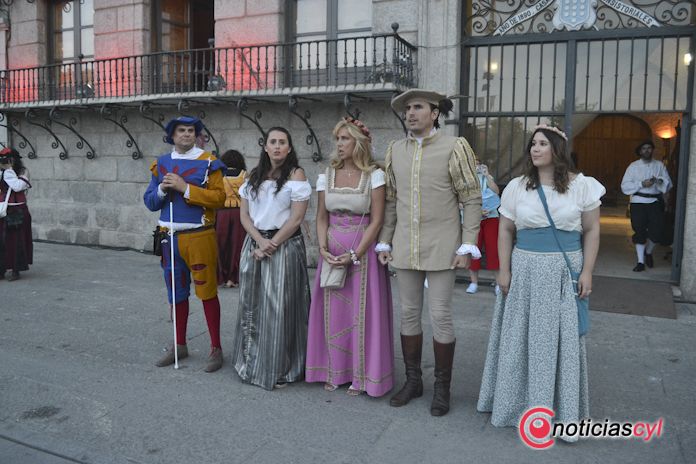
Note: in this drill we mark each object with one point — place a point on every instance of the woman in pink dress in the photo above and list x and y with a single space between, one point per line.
350 328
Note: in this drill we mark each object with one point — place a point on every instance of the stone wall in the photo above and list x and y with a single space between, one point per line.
28 29
688 264
249 22
99 201
121 28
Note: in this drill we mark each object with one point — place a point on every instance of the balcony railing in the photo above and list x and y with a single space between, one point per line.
377 61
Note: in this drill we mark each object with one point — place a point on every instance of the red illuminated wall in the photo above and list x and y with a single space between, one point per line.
250 22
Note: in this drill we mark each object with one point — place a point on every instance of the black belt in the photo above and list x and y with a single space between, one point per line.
271 232
648 195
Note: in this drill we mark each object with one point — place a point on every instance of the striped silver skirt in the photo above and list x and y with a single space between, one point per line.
535 356
271 331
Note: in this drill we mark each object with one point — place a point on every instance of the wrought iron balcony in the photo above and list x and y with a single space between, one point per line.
367 63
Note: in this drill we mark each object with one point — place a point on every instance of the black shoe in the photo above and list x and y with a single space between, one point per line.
648 260
640 267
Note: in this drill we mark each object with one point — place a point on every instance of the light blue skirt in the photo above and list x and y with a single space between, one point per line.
535 356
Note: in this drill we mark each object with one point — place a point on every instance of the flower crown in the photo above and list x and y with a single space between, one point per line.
360 125
552 129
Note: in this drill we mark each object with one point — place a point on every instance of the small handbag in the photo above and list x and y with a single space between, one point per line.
583 304
334 277
14 218
158 236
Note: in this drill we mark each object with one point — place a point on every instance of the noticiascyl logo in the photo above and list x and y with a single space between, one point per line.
535 428
538 431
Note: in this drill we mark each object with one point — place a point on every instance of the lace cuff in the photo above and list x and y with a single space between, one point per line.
381 246
469 249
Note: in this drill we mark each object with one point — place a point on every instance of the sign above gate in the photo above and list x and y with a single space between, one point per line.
574 15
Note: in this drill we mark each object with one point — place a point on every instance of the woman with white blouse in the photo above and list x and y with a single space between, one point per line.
536 351
16 246
271 331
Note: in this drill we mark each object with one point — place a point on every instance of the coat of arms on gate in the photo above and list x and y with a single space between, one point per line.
575 14
572 15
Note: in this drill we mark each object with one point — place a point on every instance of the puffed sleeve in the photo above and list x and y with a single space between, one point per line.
300 190
462 170
321 182
591 193
243 190
508 200
16 183
377 178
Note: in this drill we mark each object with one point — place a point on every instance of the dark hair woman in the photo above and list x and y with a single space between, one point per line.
562 167
536 351
271 331
234 161
228 226
282 173
16 246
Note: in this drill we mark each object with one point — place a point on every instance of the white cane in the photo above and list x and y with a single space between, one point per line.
171 263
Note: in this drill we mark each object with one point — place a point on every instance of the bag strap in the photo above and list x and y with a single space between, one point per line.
483 181
542 196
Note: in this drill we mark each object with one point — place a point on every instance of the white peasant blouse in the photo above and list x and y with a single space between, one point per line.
270 210
525 209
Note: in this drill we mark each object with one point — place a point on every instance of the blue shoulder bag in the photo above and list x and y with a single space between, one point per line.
583 304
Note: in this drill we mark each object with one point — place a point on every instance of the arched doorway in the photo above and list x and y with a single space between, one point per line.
604 149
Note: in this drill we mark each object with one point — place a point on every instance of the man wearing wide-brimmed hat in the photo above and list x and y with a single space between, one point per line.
190 179
428 174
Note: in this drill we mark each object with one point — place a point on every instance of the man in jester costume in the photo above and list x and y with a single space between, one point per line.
191 179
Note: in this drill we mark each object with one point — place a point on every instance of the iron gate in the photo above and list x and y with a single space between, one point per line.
523 76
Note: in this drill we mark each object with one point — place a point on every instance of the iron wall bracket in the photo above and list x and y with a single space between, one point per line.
30 116
109 113
311 138
54 116
11 126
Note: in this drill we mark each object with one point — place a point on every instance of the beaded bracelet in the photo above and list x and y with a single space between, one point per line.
354 257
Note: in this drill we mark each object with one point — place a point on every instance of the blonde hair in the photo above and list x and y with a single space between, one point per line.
362 152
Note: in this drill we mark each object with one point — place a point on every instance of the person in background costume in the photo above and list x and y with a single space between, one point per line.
488 235
228 226
191 179
428 175
648 183
16 245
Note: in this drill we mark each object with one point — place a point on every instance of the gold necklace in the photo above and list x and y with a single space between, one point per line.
350 173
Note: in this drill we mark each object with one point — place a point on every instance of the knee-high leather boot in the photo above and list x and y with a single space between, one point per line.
411 347
444 356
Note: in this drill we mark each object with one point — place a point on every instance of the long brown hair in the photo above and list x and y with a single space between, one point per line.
560 156
259 173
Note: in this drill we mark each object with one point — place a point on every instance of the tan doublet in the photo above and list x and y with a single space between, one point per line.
425 185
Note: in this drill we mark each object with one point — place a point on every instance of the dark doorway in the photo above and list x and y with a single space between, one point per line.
182 31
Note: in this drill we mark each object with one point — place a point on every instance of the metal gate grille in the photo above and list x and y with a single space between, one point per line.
511 84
